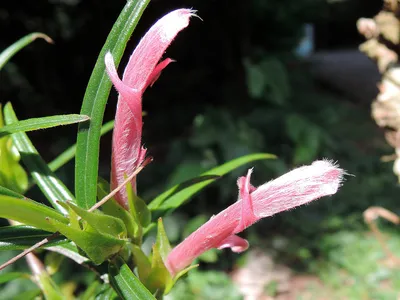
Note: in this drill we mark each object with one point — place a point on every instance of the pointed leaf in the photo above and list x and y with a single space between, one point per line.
41 123
104 224
50 185
29 212
69 153
170 203
98 247
132 211
6 55
162 242
94 102
72 216
142 212
125 283
159 277
21 237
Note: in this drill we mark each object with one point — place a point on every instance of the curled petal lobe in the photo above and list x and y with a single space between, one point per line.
157 71
236 243
247 214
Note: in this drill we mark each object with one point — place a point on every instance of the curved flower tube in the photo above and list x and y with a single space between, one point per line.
292 189
142 70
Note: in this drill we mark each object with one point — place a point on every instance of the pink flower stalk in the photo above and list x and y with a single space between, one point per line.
292 189
142 70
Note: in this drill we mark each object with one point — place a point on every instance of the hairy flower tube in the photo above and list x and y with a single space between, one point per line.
142 70
297 187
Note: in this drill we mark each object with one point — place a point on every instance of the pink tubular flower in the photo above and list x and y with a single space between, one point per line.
292 189
142 70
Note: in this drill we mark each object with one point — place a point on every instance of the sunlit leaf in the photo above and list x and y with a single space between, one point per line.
41 123
29 212
98 247
50 185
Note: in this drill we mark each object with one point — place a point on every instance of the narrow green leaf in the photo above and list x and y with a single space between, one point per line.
125 283
6 55
94 102
50 185
42 123
21 237
29 212
69 153
6 192
170 200
179 187
6 277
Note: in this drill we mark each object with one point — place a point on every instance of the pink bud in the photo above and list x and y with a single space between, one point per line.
142 70
292 189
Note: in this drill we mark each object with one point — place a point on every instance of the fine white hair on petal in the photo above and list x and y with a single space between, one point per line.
297 187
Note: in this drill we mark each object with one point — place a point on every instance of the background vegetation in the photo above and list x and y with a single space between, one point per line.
236 88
